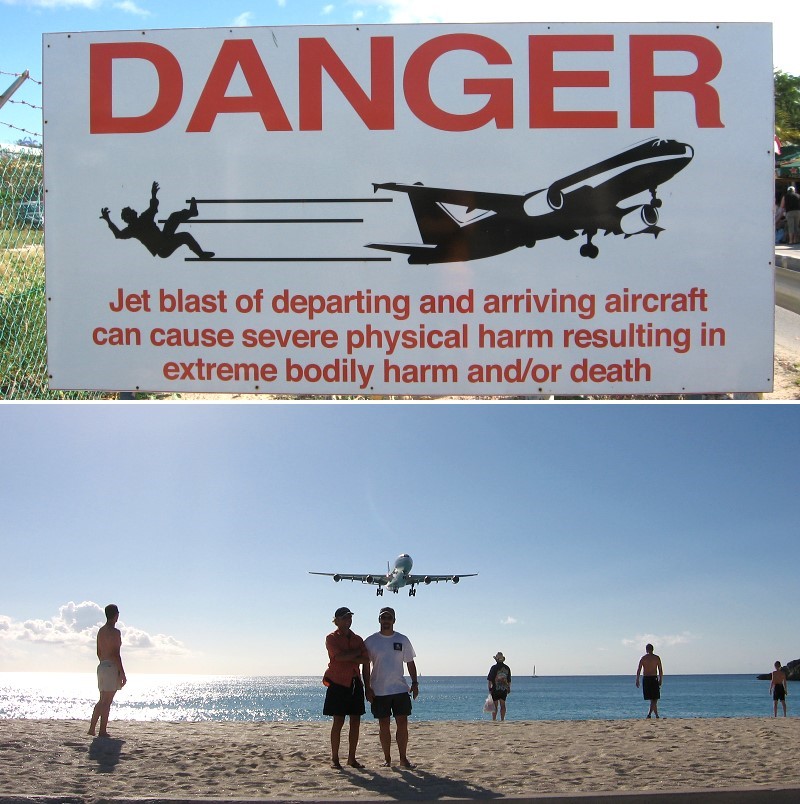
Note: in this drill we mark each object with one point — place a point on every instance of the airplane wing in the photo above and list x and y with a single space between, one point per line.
441 211
455 578
378 580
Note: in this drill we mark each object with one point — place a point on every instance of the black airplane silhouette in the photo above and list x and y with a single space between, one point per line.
460 225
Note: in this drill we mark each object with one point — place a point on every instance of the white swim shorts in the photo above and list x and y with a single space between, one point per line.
108 676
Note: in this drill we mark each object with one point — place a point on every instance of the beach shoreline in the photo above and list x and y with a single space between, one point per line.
280 761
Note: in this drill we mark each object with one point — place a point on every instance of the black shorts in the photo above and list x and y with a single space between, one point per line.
387 705
651 689
342 701
778 693
499 695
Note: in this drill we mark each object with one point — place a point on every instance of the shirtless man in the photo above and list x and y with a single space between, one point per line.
778 689
110 672
159 242
650 665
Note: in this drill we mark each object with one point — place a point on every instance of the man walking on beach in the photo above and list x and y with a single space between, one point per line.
778 689
386 686
650 665
345 695
110 673
499 679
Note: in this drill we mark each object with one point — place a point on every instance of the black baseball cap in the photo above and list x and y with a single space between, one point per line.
342 612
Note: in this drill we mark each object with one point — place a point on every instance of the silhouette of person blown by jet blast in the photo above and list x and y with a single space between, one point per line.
159 242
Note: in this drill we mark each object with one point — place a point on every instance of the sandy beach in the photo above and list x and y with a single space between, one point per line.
456 760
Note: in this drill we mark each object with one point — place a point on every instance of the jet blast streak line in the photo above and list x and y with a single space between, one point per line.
290 259
293 200
277 220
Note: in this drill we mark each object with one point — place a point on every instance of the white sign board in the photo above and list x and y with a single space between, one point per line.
426 209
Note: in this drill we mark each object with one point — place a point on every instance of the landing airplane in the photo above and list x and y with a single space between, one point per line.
397 578
460 225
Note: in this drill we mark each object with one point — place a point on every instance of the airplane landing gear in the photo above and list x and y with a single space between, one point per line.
589 249
379 591
412 592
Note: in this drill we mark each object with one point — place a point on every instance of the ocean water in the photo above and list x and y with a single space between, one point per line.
199 698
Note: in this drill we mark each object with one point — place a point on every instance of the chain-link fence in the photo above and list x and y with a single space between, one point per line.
23 343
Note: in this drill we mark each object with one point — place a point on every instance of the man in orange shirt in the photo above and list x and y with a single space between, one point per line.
345 694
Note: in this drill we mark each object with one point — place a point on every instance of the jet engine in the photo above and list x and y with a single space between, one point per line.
639 219
369 579
426 580
456 579
542 202
539 203
337 578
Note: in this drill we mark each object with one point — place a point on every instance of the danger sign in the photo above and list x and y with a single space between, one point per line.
504 209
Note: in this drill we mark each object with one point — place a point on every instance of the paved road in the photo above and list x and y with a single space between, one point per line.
787 298
787 330
787 277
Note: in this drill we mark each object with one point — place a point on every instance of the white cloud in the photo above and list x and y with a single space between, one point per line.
509 620
90 4
129 7
243 20
664 639
328 9
75 626
401 11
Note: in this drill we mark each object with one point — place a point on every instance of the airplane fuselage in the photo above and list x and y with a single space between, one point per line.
402 568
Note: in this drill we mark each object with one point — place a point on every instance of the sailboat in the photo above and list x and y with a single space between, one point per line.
533 675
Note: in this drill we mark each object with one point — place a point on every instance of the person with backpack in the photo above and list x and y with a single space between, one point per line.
499 679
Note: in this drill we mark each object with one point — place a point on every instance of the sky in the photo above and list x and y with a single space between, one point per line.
24 21
593 528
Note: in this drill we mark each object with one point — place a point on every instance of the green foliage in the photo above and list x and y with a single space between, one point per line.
787 108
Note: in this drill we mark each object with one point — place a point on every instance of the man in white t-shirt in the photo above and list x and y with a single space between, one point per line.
385 684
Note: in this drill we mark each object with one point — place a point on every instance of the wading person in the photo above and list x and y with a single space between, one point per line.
778 689
110 672
653 676
386 687
345 694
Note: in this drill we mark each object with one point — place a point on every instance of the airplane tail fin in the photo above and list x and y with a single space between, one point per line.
434 221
